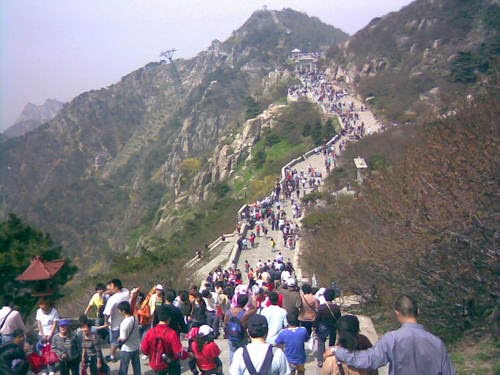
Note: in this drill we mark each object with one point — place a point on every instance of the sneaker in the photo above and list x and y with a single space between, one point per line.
144 357
320 364
110 358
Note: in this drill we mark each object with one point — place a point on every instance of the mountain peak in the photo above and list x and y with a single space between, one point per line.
32 116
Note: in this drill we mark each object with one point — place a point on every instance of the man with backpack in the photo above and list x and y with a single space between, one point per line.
234 324
163 345
259 357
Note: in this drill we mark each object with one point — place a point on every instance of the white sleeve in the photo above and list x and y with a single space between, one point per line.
284 369
238 365
108 307
124 329
38 313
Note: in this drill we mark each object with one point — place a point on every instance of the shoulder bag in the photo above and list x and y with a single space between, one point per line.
132 330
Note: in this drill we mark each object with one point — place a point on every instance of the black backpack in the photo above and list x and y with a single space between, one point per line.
266 365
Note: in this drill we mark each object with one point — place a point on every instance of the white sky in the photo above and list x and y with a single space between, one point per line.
61 48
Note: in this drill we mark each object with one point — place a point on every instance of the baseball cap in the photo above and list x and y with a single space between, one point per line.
64 322
159 287
205 330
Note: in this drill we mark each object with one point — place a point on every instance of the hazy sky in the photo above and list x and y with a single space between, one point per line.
61 48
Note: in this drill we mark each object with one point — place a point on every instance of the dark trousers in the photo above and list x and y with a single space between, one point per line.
307 325
213 321
66 366
126 358
174 368
323 333
91 363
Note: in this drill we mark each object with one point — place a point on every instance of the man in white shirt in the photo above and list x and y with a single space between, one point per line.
259 354
275 316
47 318
212 303
285 275
129 340
10 320
112 316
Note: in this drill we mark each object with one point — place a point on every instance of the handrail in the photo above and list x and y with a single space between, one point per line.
233 258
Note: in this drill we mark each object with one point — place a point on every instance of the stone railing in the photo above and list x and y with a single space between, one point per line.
235 253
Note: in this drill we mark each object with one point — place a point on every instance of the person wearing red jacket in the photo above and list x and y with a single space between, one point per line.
206 352
163 346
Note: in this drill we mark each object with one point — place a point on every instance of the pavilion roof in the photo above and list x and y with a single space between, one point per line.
41 270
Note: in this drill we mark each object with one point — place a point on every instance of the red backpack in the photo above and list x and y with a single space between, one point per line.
158 358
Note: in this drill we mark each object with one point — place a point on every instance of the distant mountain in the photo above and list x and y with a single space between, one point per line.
33 116
427 54
119 162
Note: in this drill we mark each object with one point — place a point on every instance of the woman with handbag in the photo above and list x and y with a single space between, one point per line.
308 309
92 358
66 346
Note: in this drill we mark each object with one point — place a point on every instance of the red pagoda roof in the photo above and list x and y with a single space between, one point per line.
41 270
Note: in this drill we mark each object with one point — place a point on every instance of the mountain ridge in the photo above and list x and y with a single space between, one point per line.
32 116
113 157
418 59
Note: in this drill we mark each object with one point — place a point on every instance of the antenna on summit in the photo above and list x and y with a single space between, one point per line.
264 7
168 55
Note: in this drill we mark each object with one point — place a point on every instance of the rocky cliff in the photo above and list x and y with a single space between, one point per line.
427 54
117 162
33 116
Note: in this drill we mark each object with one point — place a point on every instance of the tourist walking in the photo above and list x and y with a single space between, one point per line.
409 350
129 340
328 314
10 320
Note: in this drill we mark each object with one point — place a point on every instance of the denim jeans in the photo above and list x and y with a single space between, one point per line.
126 358
5 339
213 321
323 332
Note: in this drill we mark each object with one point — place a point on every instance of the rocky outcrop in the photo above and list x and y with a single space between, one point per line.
33 116
115 162
428 44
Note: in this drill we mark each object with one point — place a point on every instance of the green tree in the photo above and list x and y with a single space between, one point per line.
253 108
316 133
306 131
260 158
19 244
328 130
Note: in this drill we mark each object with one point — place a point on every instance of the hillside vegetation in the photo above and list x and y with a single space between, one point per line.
421 58
424 222
125 169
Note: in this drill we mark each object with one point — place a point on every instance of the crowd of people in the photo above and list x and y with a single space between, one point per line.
267 319
268 323
333 101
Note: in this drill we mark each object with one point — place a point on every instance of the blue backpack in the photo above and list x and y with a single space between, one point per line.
235 331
